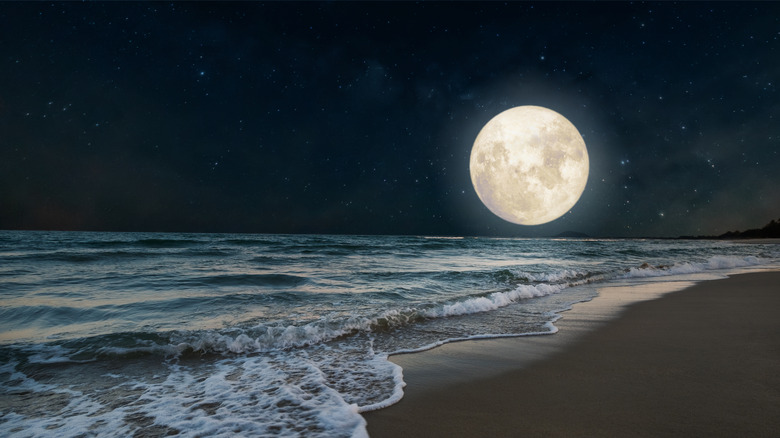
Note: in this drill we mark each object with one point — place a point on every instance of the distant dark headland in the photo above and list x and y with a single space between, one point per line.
769 231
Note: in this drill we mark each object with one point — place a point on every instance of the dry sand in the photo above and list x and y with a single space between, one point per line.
704 361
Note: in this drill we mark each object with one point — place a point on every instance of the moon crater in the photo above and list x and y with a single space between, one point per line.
529 165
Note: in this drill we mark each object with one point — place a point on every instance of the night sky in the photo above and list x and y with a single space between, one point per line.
359 117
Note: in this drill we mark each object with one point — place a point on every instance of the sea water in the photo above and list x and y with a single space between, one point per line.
141 334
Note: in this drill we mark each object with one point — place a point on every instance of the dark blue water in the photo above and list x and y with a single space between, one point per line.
275 335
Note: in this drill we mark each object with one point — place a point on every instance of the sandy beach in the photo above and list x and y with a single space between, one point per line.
701 361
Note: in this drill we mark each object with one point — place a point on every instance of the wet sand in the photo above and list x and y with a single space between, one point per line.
702 361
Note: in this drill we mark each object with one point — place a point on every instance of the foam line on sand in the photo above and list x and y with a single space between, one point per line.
703 361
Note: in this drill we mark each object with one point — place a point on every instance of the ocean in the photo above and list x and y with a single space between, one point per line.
157 334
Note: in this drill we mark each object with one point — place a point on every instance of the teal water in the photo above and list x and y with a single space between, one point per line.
276 335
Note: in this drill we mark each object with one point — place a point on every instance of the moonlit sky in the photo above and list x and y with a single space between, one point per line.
360 117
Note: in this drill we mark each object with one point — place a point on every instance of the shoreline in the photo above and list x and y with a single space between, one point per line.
676 358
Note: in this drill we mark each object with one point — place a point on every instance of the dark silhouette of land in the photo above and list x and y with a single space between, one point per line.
769 231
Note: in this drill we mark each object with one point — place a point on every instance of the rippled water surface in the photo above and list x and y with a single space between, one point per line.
275 335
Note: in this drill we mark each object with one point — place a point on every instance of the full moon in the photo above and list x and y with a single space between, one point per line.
529 165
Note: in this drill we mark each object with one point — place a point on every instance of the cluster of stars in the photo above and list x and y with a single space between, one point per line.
291 104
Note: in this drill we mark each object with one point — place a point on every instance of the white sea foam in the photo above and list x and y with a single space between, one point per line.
239 355
493 301
261 339
550 325
22 382
78 415
50 354
292 396
713 263
327 329
555 276
383 365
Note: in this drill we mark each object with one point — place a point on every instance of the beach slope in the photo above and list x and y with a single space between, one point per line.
704 361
